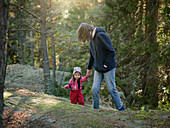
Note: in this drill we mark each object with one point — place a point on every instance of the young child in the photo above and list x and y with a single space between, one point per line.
75 86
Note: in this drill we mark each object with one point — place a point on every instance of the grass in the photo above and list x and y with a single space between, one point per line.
45 107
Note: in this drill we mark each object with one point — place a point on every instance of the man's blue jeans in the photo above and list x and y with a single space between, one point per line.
111 86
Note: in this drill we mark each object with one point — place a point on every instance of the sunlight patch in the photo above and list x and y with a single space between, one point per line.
7 94
45 101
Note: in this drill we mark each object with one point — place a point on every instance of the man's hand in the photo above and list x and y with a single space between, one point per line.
105 66
89 72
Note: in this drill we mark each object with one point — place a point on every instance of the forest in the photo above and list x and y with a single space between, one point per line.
42 34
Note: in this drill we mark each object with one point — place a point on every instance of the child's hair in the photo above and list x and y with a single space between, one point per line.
84 32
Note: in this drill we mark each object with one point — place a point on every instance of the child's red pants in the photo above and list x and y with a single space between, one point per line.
77 96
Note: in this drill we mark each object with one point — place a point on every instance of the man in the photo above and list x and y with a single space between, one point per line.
102 58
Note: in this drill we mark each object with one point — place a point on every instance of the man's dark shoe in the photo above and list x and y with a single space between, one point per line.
122 108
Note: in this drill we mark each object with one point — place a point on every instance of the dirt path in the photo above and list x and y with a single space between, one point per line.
28 109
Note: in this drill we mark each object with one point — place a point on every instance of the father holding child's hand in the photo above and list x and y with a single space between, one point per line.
102 58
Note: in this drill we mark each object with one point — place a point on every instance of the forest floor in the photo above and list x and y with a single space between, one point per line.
27 108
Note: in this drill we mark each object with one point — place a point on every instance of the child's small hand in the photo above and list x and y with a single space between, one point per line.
63 87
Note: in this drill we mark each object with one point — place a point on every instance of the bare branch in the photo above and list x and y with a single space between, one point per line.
26 11
24 30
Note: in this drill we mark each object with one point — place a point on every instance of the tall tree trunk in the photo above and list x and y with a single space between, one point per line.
146 17
152 80
32 49
20 47
46 69
54 65
4 5
53 56
140 30
21 38
25 47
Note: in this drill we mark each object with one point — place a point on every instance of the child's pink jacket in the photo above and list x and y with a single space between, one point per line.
74 85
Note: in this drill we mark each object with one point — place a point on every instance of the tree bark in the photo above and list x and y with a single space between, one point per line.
146 18
46 69
21 42
4 5
152 80
32 50
53 56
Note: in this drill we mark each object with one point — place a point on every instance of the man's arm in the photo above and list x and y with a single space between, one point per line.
91 60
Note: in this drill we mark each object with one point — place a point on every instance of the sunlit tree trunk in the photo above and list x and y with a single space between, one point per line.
46 69
53 56
146 17
140 30
4 5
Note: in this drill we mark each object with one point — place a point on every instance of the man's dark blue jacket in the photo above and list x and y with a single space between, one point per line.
101 52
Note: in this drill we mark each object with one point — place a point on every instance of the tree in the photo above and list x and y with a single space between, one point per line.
53 55
46 70
4 5
32 49
151 86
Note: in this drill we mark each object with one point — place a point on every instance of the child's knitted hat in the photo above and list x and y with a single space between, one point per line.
77 69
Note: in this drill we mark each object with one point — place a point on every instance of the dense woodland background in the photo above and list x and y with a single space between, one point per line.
42 33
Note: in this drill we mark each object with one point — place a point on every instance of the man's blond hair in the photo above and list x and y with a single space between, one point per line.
85 32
